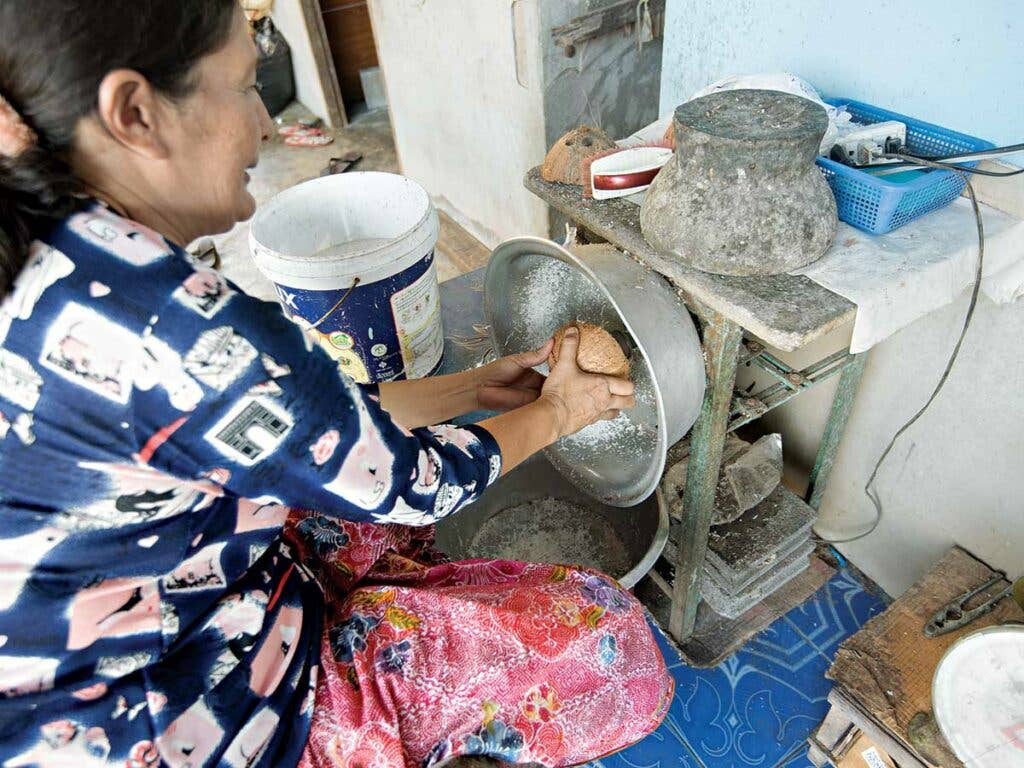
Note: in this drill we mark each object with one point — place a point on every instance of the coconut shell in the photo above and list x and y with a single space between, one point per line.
670 134
598 351
564 162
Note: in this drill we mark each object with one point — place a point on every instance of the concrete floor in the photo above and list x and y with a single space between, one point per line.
282 167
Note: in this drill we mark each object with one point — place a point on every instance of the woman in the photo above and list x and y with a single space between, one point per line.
166 596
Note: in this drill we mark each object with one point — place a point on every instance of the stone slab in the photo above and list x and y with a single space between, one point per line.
784 311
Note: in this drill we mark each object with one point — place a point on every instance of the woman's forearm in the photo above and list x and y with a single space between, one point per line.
524 431
422 402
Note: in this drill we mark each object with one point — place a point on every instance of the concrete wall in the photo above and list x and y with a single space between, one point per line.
608 83
611 82
956 476
464 125
289 19
945 61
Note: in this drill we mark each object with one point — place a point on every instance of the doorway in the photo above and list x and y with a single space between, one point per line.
354 51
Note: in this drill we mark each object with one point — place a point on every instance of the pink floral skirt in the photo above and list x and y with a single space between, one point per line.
424 660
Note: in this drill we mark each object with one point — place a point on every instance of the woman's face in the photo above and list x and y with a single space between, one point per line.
218 135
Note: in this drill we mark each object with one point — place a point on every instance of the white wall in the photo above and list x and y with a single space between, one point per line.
957 476
946 61
464 127
290 21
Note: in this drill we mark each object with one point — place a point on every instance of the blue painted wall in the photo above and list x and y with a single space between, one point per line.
959 63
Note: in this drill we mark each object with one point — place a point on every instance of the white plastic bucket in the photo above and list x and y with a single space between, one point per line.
373 231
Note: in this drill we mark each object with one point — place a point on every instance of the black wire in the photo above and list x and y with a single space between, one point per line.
1007 150
868 491
943 166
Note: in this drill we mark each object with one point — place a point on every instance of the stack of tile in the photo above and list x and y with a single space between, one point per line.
757 554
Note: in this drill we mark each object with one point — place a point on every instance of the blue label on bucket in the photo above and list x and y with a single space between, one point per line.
386 330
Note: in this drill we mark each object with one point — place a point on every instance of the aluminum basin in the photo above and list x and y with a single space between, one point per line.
638 533
533 286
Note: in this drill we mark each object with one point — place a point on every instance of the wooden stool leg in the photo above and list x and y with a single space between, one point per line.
722 339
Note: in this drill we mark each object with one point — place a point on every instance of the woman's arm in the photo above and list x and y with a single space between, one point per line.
569 401
503 385
419 402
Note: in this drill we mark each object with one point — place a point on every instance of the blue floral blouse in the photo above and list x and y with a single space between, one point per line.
156 424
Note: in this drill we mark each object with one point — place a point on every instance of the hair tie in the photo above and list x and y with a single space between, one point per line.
15 135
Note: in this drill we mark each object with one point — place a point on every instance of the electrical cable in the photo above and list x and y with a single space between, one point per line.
872 494
895 167
1007 150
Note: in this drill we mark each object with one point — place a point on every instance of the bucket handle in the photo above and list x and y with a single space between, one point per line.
337 306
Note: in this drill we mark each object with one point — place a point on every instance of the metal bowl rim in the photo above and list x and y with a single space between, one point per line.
654 551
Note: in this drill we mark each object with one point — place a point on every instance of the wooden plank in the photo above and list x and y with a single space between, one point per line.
601 22
324 63
458 250
784 311
887 667
722 340
897 750
350 35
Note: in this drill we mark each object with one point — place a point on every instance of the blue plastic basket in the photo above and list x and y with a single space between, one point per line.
879 205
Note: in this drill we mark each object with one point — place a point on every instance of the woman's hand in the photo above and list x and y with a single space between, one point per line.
511 382
580 399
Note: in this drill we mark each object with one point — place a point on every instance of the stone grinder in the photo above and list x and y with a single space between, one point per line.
742 194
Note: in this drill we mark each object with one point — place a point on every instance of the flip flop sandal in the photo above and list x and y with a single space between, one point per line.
297 129
309 140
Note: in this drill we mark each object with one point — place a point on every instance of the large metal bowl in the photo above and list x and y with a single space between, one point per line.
533 286
639 536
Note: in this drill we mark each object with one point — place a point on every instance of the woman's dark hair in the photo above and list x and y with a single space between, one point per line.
53 56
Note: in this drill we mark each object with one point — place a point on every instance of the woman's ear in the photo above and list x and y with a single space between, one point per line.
133 113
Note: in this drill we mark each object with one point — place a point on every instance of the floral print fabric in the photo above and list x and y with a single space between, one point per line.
425 660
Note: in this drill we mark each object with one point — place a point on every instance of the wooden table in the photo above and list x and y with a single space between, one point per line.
783 311
884 673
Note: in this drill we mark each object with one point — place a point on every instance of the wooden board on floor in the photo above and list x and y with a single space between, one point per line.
715 637
887 667
458 251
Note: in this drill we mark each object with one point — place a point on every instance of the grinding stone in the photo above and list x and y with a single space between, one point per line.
734 587
734 607
742 195
806 547
741 551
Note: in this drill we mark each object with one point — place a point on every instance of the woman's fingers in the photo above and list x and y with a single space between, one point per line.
623 387
621 402
531 380
567 352
609 415
536 357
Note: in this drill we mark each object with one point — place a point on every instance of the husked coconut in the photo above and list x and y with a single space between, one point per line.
598 351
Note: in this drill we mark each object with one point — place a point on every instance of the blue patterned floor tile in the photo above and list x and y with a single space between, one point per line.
754 709
798 759
662 749
757 708
835 612
672 657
